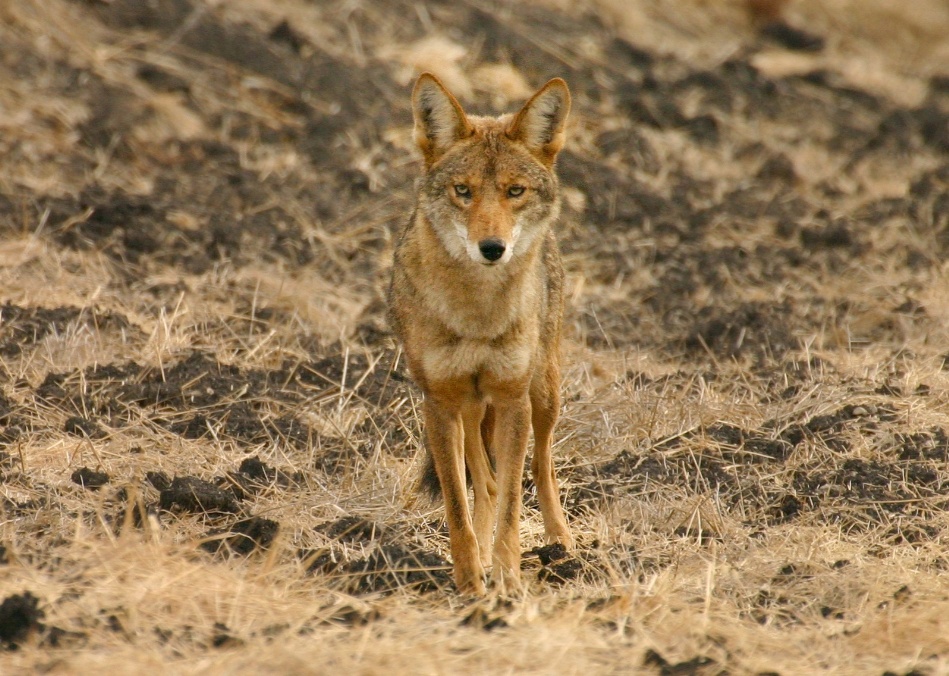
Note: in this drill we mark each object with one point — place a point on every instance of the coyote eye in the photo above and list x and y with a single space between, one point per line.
462 190
515 191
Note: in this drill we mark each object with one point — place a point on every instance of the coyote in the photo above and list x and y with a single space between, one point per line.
477 300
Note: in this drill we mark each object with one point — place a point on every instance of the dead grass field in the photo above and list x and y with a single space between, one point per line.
208 446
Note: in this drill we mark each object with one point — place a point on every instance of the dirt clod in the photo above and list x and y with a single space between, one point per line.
393 566
190 494
89 478
792 38
693 667
19 616
550 553
243 537
352 529
82 427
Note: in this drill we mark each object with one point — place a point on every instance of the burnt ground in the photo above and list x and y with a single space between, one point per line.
197 209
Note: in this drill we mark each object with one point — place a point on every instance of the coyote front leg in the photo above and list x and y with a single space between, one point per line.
445 432
512 426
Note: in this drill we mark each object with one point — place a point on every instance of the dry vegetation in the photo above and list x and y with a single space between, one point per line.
207 443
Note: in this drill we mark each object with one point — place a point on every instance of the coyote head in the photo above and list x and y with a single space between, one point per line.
489 187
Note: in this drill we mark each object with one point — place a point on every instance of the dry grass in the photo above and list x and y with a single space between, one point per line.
197 207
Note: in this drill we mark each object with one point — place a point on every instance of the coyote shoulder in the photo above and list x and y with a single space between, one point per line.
477 300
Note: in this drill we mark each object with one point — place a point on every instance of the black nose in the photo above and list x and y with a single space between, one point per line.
492 248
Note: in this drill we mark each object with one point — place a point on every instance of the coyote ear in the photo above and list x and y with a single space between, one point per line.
540 123
439 119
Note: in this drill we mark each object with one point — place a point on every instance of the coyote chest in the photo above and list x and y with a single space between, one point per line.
503 349
475 358
478 309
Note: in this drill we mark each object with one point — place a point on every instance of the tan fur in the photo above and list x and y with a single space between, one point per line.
477 301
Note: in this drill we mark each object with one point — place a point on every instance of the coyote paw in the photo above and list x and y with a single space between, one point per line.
469 580
506 571
507 581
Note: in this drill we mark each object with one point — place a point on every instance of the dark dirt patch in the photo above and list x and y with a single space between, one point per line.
829 236
224 638
861 494
932 444
23 327
756 329
348 616
905 479
708 458
376 384
161 80
158 480
7 407
138 231
284 33
89 478
631 147
858 481
321 561
790 37
83 427
391 563
243 537
397 566
785 508
743 446
241 421
519 43
198 381
778 168
697 666
481 619
20 615
57 637
557 565
13 430
127 227
352 529
235 402
625 473
550 553
623 204
251 405
828 427
254 476
190 494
